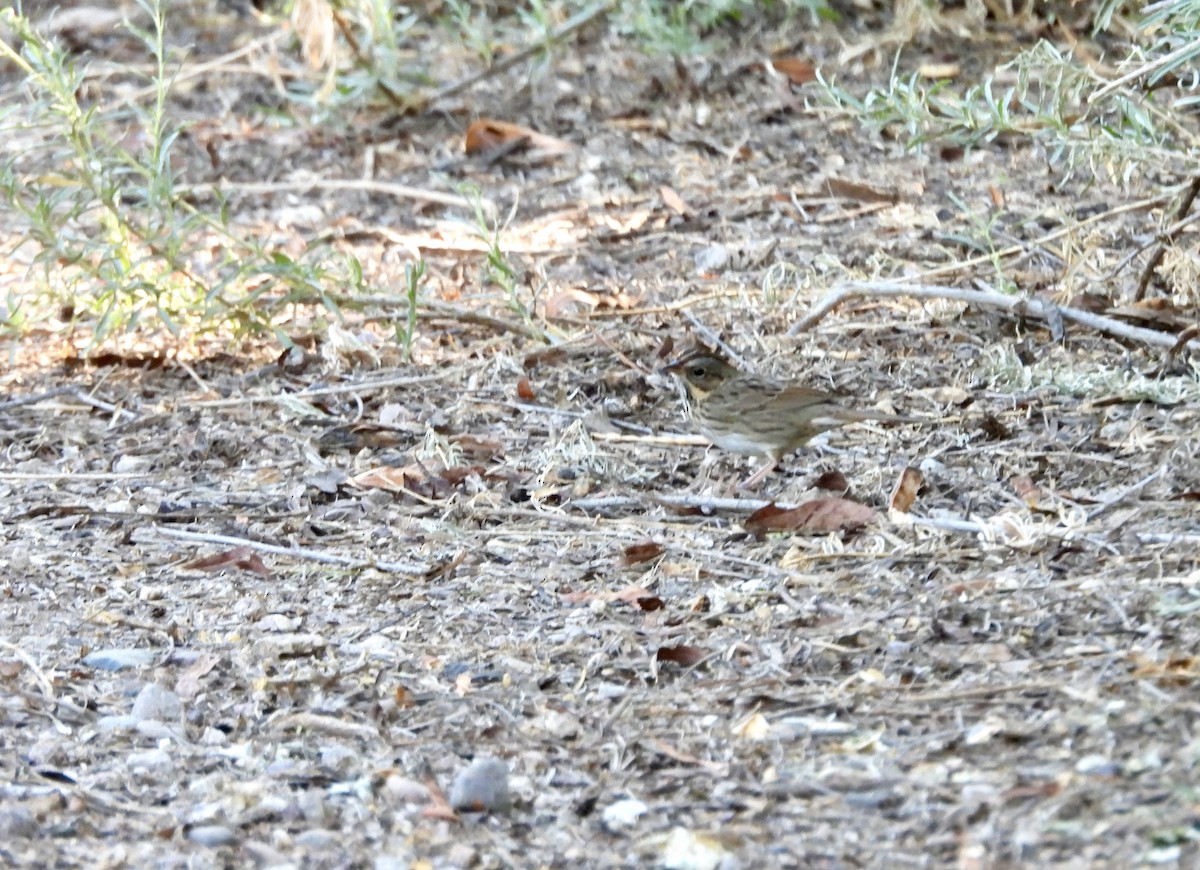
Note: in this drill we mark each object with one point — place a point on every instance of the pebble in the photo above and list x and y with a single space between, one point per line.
288 645
212 835
155 702
482 787
120 659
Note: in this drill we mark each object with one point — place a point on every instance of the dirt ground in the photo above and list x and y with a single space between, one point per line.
266 613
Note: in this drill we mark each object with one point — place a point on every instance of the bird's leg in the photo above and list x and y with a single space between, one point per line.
759 476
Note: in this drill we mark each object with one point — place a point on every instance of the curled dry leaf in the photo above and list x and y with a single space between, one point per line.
567 301
795 70
1026 490
674 201
833 481
681 655
820 516
525 390
636 554
239 557
478 446
638 596
487 134
860 192
904 493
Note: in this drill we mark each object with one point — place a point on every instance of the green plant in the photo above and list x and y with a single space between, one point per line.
681 26
93 189
1085 124
414 275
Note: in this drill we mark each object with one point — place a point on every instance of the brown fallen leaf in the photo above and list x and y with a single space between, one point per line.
525 390
239 557
636 554
795 70
681 655
904 493
1026 490
637 596
567 301
820 516
833 481
487 134
860 192
479 446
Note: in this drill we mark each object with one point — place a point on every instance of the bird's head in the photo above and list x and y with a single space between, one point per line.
701 373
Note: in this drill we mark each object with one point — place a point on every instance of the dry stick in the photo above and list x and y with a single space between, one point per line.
1024 306
359 387
36 397
321 556
565 29
1150 67
1013 250
400 191
1185 205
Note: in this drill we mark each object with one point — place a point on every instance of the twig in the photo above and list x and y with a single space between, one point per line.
400 191
1025 306
1013 250
714 340
321 556
358 388
1167 237
1124 494
565 29
36 397
100 405
1163 62
746 505
465 315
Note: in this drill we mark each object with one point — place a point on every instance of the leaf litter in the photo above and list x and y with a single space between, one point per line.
997 665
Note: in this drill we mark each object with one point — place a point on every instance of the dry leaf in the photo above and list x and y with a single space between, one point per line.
681 655
860 192
904 493
1028 491
525 390
674 202
639 597
389 477
833 481
567 301
820 516
939 70
753 727
795 70
487 134
478 446
239 557
636 554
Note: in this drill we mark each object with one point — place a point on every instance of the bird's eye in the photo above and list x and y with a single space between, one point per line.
698 372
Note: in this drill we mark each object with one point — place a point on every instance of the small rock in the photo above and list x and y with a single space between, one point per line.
714 258
150 760
155 702
402 789
111 724
288 645
212 835
120 659
317 838
624 813
482 787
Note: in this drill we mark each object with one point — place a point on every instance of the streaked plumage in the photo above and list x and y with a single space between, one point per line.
758 416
